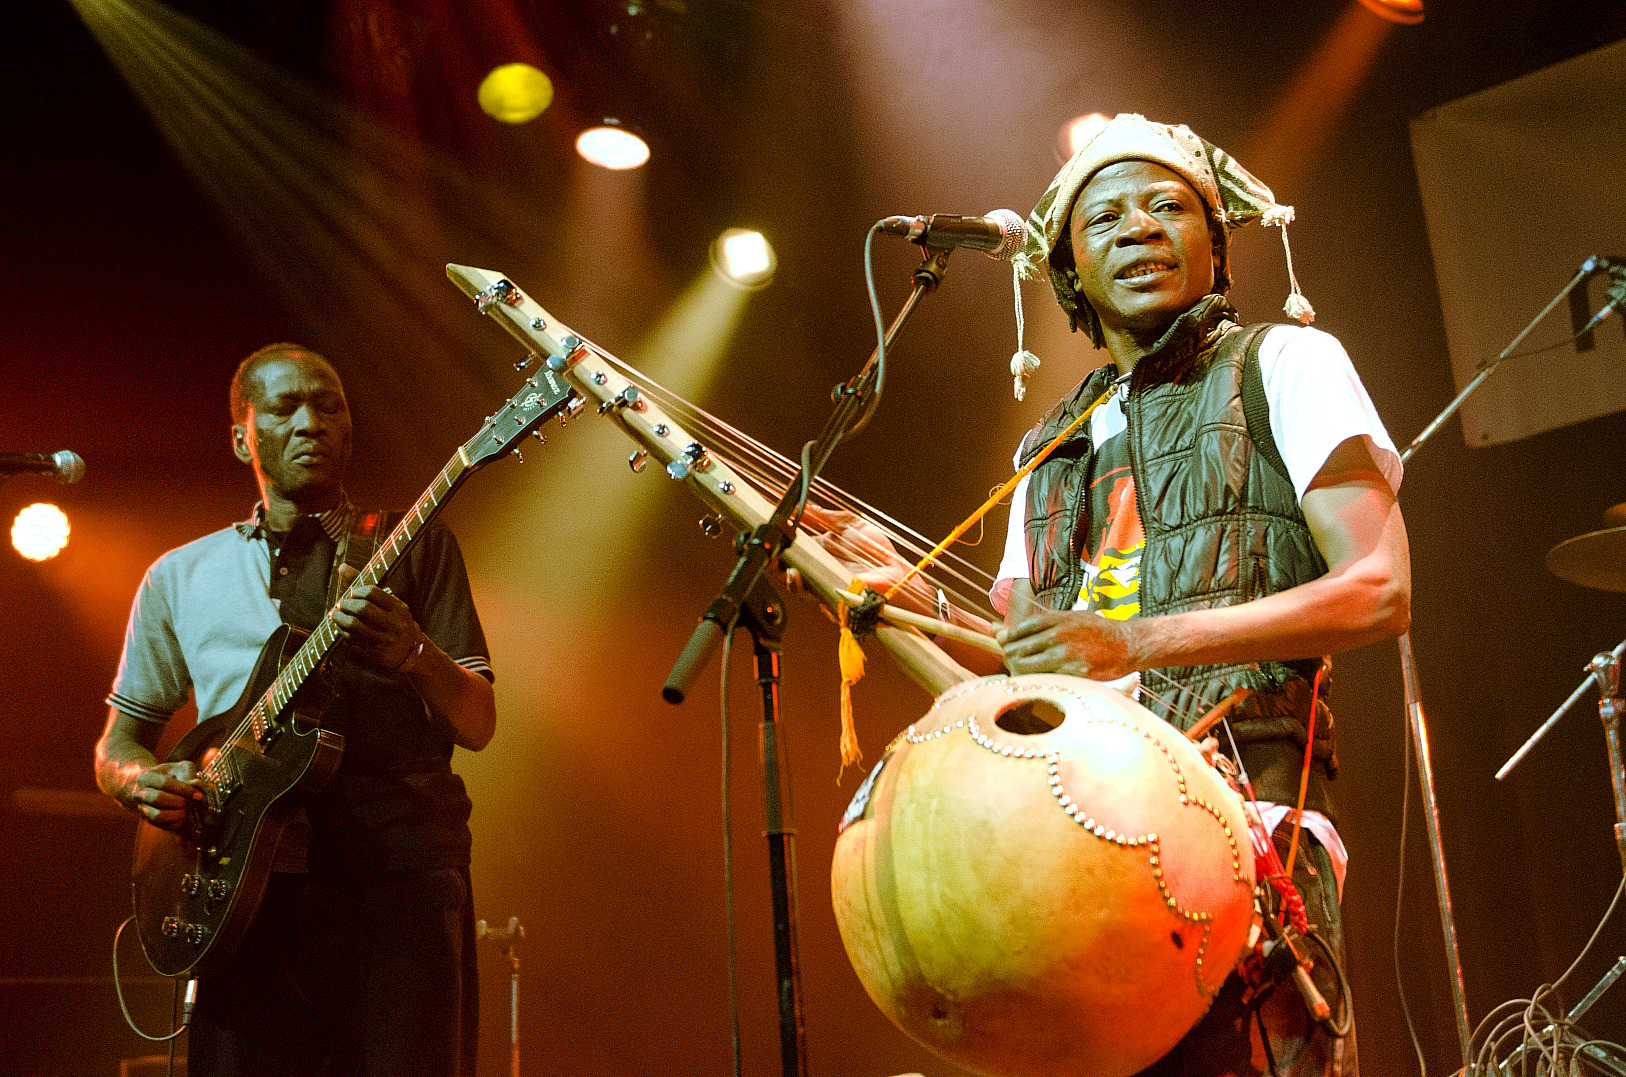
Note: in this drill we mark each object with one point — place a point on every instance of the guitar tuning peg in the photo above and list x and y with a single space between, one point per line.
524 361
537 434
517 455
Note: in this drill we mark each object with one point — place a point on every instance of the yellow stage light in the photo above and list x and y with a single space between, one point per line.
1077 131
40 531
744 257
610 145
1405 12
515 93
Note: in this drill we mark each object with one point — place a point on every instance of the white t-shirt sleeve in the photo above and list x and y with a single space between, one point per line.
1317 402
1013 565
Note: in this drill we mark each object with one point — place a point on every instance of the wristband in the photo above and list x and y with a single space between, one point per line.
413 657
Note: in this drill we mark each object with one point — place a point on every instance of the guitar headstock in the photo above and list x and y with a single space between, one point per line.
544 395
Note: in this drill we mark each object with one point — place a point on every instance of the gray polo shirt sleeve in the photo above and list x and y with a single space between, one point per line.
153 681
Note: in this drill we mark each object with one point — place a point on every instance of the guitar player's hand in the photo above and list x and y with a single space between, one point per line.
377 625
162 791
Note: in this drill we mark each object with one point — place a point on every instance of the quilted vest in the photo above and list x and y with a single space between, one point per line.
1222 524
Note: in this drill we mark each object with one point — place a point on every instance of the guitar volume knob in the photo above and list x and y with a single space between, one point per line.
218 889
170 928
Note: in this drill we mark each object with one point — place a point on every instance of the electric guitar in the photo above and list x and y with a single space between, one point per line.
197 888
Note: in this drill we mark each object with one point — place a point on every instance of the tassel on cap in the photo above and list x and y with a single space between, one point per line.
1297 307
852 671
1024 362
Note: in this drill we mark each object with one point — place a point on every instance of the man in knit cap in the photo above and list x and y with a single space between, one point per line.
1214 511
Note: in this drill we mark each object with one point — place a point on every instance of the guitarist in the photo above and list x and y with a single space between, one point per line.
361 957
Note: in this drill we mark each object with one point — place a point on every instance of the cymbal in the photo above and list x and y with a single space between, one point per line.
1596 559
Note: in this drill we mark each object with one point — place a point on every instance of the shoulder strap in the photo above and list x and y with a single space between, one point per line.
357 545
1255 405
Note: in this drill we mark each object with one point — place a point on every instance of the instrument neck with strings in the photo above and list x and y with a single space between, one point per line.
962 581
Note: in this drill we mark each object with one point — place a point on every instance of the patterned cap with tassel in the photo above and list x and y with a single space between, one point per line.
1231 195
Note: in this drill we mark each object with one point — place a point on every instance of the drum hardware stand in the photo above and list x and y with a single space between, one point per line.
1604 670
1414 702
749 599
506 939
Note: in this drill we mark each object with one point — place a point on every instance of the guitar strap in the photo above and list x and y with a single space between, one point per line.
358 544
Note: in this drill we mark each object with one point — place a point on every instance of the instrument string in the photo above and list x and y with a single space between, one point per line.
997 496
773 472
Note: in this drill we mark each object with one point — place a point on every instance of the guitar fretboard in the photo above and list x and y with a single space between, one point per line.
315 648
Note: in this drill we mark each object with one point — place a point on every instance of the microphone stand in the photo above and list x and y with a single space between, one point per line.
749 600
1414 701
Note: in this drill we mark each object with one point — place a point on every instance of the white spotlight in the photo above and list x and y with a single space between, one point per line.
40 531
610 145
1076 132
744 257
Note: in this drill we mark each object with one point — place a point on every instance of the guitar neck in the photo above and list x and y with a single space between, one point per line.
326 634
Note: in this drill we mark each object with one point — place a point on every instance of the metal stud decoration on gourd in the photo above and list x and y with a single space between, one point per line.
1043 878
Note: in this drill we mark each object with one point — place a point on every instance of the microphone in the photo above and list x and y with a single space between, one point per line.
999 234
62 466
1617 298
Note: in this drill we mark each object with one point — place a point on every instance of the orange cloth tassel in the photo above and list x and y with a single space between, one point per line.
852 671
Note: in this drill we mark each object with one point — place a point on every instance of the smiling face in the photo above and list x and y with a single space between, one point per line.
1142 247
296 434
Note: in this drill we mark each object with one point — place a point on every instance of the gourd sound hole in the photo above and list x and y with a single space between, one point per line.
1030 717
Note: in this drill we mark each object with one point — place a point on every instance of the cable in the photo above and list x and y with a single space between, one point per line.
874 401
1487 364
1400 890
118 989
728 866
1519 1025
1348 1024
1610 911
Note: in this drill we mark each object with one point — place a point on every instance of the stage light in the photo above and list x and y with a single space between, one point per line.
1077 131
744 257
40 531
515 93
1405 12
611 145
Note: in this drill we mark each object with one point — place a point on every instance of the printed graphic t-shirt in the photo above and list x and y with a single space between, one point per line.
1112 553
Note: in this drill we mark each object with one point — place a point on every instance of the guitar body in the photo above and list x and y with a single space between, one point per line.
197 889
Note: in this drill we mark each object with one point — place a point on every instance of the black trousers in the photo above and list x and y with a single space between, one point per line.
346 977
1227 1043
